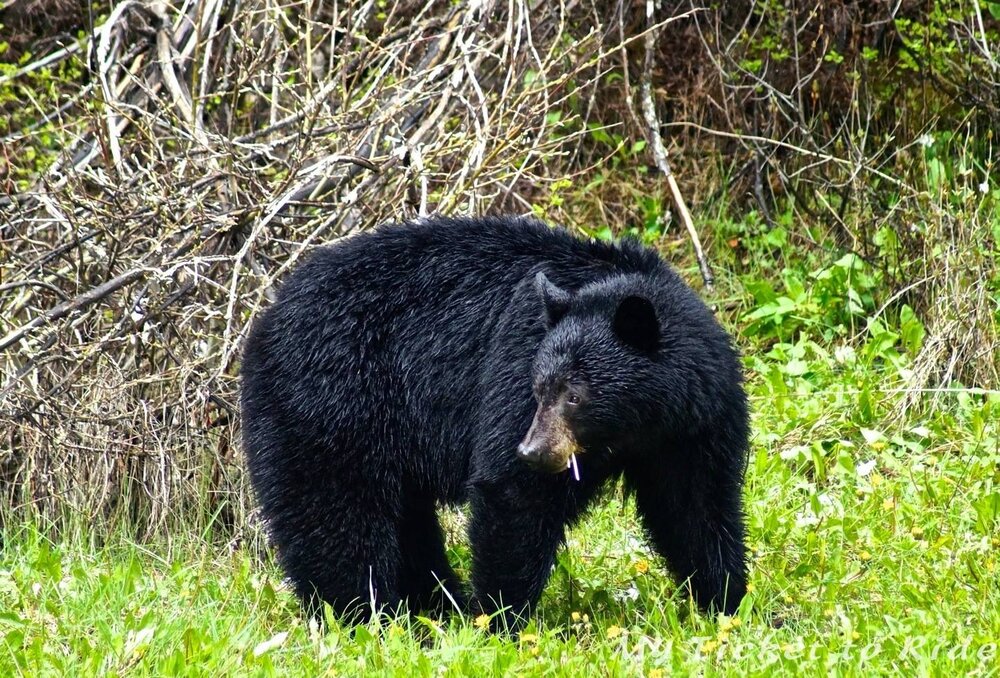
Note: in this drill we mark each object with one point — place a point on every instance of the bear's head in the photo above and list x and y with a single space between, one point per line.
597 376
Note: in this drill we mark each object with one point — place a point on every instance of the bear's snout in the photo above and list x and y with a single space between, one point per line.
549 443
530 453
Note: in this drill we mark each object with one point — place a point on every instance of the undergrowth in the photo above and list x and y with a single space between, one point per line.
159 174
874 529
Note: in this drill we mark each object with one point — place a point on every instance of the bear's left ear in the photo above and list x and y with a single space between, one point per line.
555 299
636 324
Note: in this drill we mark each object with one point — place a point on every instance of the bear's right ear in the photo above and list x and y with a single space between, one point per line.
555 299
636 324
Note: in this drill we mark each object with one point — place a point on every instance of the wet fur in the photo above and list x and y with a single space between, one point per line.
395 371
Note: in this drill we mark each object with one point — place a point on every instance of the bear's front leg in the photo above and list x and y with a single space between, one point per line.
691 507
515 530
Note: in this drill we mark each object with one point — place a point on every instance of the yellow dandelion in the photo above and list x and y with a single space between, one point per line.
865 556
529 638
751 588
889 504
614 631
917 532
876 479
482 621
575 616
586 618
642 566
709 646
722 636
855 635
728 623
655 673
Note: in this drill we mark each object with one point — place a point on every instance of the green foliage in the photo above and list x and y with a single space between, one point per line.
829 300
31 140
873 548
874 532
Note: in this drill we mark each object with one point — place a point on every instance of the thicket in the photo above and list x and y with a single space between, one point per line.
164 166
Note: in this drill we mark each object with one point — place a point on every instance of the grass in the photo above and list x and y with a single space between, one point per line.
874 523
874 549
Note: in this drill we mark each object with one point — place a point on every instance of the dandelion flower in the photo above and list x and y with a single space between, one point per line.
482 621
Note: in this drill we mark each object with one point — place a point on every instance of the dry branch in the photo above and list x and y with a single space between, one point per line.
215 143
223 142
660 151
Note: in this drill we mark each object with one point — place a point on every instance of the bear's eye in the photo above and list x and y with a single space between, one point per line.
573 399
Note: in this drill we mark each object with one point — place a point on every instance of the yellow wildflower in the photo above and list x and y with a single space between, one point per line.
614 631
642 566
575 616
709 646
728 623
529 638
482 621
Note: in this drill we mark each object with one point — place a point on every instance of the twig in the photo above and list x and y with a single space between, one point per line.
67 307
660 151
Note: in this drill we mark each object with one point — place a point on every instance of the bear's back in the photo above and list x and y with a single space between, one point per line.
385 335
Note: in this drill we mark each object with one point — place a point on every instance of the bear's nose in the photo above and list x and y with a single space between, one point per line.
529 453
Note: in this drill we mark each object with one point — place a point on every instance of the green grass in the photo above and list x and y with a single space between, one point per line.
874 533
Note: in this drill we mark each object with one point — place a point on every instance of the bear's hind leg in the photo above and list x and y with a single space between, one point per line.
335 546
427 580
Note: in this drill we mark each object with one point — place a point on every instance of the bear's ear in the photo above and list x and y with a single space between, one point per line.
555 299
636 324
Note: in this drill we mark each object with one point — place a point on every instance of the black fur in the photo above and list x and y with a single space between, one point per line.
400 368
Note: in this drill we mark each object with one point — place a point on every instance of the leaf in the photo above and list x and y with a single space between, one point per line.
911 330
272 643
796 367
850 261
137 641
873 437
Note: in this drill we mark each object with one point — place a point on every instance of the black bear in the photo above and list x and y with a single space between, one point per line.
501 362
